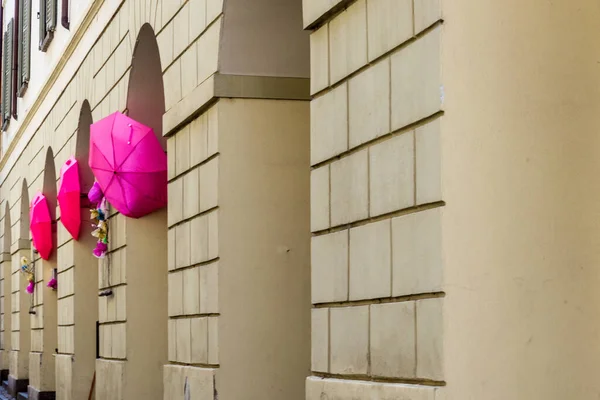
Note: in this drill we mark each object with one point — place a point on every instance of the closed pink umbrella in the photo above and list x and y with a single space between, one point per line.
41 226
69 197
129 165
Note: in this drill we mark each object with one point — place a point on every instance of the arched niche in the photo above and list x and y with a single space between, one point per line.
146 93
82 147
133 340
44 322
76 358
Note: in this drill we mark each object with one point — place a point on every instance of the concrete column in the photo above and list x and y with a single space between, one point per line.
77 312
520 175
6 299
18 378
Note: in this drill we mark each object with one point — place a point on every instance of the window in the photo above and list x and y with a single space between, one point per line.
24 47
7 58
47 18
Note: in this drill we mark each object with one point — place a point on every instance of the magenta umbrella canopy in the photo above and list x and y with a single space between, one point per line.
69 197
129 165
41 225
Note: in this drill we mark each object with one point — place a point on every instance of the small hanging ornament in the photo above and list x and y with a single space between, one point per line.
99 213
53 282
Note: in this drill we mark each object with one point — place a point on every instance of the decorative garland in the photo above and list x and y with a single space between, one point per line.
29 270
99 213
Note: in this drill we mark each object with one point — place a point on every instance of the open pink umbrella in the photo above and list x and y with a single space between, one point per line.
41 225
129 165
69 197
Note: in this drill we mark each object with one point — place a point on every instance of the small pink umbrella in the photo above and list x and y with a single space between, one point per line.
41 225
69 197
129 165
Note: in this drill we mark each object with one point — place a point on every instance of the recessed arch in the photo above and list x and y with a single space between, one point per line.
146 252
146 93
24 213
6 238
82 147
49 183
76 356
44 329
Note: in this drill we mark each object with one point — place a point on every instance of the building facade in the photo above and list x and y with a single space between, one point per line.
368 199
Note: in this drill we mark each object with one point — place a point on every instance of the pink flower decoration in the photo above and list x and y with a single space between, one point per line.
52 283
100 250
30 287
95 194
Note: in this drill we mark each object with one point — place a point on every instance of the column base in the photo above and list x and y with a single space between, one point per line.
16 385
35 394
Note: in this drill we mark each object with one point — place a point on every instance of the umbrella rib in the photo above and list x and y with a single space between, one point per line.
124 196
112 140
103 156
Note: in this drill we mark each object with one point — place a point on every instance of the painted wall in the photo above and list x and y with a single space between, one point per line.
520 159
42 63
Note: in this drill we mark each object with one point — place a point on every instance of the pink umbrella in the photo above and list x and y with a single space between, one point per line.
129 165
41 225
69 197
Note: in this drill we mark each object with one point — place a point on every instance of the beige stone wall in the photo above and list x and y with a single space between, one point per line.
376 200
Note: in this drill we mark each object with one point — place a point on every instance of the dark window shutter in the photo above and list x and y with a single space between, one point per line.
50 15
4 52
65 14
42 21
24 46
47 22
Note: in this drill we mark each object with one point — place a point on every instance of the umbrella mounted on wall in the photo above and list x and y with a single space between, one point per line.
69 197
41 225
129 165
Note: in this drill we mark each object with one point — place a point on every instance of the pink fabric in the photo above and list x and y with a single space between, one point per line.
53 283
95 194
69 197
129 165
100 250
41 226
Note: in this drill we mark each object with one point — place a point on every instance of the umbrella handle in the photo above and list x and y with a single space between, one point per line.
130 133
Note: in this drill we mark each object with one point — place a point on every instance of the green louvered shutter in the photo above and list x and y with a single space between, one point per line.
24 45
4 51
50 15
7 90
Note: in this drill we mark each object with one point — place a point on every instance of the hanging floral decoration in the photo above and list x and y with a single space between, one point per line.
29 270
99 214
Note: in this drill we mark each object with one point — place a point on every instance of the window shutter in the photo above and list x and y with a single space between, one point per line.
42 23
50 15
24 46
4 51
7 92
65 14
